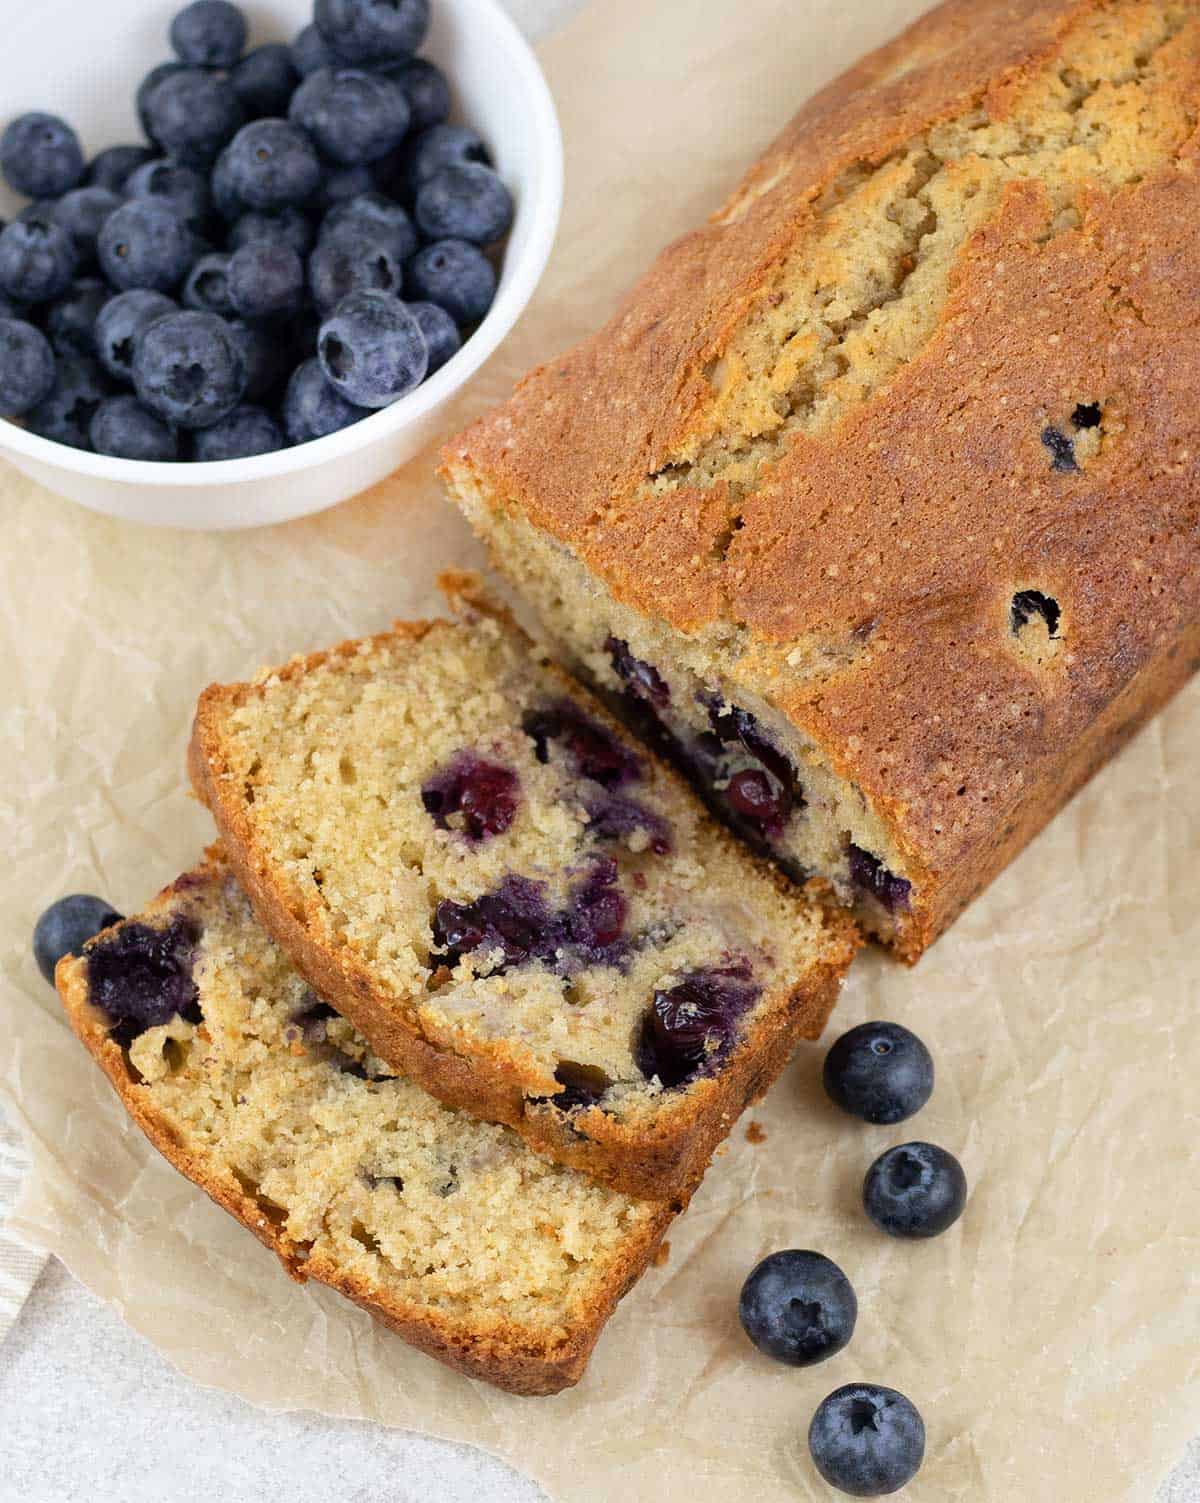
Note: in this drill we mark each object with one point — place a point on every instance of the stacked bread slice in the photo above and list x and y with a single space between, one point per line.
456 1012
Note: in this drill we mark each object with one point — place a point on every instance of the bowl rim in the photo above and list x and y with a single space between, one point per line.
524 273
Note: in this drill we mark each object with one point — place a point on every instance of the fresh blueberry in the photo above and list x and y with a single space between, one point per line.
425 88
867 1440
124 429
481 797
144 243
376 217
352 116
65 928
142 977
455 275
26 367
183 189
310 51
798 1307
692 1025
311 407
442 338
119 323
188 367
37 261
290 226
226 200
111 168
40 156
347 261
37 213
148 86
267 357
207 285
245 432
272 164
464 201
209 34
81 212
65 414
870 875
427 153
915 1190
266 279
593 750
71 322
371 349
372 31
340 183
264 80
191 114
879 1072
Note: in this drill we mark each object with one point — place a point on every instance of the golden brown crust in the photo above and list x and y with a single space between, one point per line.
923 509
517 1360
664 1162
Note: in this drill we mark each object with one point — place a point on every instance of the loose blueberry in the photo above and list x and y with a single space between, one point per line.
71 322
375 217
65 928
347 261
480 796
352 116
192 114
37 260
866 1440
245 432
372 31
112 167
40 155
119 323
692 1025
188 368
442 338
310 51
594 751
290 226
81 212
265 80
272 165
464 201
870 875
265 280
145 243
26 367
142 977
425 89
207 285
66 413
880 1072
148 86
798 1307
371 349
642 678
429 152
915 1190
183 189
311 407
209 33
455 275
124 429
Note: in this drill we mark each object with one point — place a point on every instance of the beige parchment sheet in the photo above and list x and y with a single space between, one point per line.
1051 1338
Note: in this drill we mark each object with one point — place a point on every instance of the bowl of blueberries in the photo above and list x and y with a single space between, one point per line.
247 256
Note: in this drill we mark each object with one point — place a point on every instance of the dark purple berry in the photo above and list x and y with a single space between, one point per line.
463 201
870 875
594 751
455 275
515 920
798 1307
866 1440
372 31
189 368
192 114
266 280
615 817
483 794
265 80
352 116
245 432
209 33
643 679
376 218
81 212
207 285
145 243
37 260
183 189
26 367
40 155
424 154
595 915
112 167
142 977
66 926
290 226
442 338
425 88
345 262
1029 603
692 1026
66 413
119 323
311 407
915 1190
310 51
122 428
879 1072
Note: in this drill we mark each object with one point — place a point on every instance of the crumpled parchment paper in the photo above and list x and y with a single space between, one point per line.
1051 1338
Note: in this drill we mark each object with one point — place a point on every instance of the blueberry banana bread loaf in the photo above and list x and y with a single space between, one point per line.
449 1230
877 500
466 856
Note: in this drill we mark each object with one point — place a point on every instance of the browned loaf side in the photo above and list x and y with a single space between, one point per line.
889 472
616 890
450 1231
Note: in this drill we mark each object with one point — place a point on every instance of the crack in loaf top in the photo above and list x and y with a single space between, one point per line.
936 351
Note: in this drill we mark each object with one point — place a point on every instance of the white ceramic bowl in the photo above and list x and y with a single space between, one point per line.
84 62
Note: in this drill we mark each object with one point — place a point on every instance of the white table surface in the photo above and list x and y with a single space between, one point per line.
92 1413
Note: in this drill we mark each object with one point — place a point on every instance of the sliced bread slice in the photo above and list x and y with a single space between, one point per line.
449 1230
523 910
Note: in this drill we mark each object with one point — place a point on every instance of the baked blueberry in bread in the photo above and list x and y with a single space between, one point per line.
521 909
876 500
449 1230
